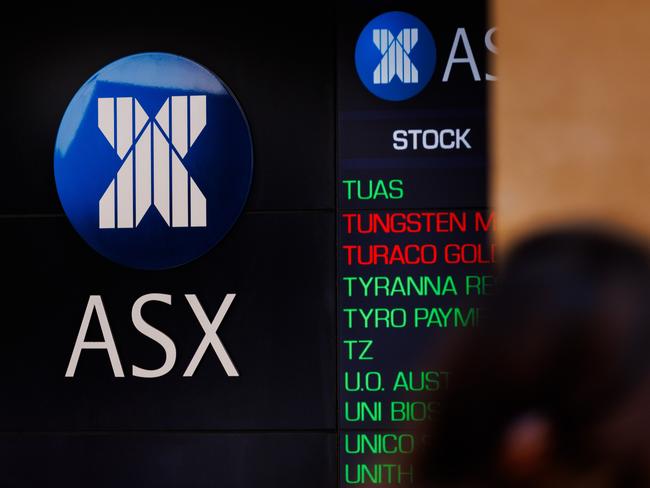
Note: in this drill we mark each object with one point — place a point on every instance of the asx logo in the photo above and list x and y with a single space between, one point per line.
153 161
151 152
396 56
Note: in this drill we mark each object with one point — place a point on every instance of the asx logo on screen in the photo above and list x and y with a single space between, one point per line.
153 164
153 161
396 56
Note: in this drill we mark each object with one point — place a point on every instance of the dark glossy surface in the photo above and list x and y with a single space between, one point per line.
278 331
239 460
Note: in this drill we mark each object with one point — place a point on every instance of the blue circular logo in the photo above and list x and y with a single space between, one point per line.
153 161
395 56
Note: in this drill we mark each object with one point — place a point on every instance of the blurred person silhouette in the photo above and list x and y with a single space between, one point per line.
553 390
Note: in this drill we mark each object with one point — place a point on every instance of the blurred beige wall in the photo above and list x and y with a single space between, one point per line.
571 115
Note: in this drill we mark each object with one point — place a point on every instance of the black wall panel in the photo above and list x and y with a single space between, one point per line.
274 424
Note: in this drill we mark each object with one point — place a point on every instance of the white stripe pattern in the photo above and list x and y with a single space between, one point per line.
395 60
152 171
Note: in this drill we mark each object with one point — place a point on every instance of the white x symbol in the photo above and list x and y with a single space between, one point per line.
151 151
395 58
210 339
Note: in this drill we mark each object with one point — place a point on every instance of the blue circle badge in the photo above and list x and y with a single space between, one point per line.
153 161
395 56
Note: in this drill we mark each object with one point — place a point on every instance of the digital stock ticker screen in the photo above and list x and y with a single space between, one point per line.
413 253
236 242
